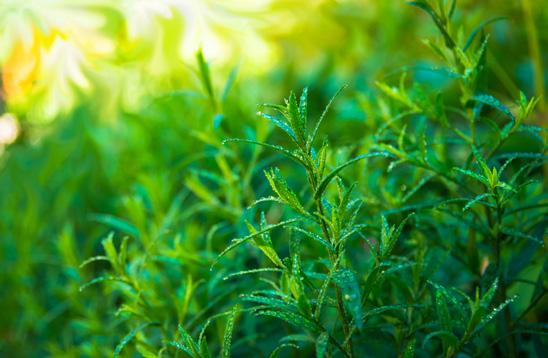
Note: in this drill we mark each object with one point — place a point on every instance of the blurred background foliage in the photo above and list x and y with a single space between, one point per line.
109 125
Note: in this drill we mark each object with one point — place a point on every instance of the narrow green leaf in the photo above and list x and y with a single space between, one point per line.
350 288
314 237
252 271
495 103
271 302
264 243
321 344
182 348
205 77
446 336
93 259
204 348
291 318
295 119
265 200
276 351
327 179
479 28
488 297
409 351
487 318
303 107
227 340
145 352
281 188
229 82
473 175
188 340
323 290
425 6
516 233
477 199
102 279
443 311
320 120
277 148
129 337
237 242
377 311
116 223
280 124
389 236
417 187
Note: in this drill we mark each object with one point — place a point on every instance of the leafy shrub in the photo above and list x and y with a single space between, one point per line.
420 234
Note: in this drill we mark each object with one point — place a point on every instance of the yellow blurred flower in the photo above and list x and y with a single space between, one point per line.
21 68
53 52
44 51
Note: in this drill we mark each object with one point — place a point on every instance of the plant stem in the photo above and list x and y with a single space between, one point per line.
340 302
502 288
333 258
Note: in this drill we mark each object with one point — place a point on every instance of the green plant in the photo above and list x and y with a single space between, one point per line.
299 296
484 188
406 217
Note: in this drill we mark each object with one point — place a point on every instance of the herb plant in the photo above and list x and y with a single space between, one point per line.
417 231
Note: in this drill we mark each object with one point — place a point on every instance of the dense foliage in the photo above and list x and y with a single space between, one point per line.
403 219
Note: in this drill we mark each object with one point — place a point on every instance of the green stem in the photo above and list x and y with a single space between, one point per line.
502 295
333 258
340 303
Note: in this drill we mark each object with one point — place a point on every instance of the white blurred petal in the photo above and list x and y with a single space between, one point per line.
9 128
140 15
